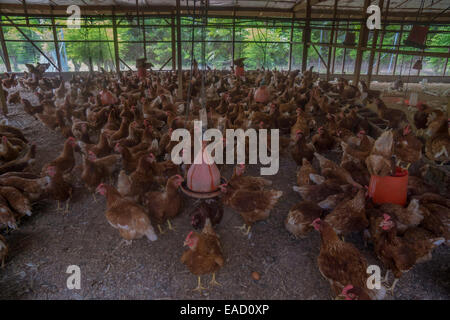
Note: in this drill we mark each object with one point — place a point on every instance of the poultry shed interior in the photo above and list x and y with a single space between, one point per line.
94 93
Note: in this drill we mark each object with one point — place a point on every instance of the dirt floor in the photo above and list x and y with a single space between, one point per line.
49 241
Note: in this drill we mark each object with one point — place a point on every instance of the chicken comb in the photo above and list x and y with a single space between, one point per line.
299 131
406 130
347 289
362 132
4 139
189 235
386 217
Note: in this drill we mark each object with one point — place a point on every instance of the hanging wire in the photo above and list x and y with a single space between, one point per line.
188 100
422 4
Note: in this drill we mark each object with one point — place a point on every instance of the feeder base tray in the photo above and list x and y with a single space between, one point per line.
201 195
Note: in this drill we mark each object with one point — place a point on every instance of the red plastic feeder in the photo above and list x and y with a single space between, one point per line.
203 179
239 71
389 189
142 72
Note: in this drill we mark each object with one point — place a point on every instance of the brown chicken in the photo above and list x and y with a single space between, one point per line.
318 192
301 148
379 162
211 209
96 170
407 147
422 242
405 218
166 205
252 205
239 181
303 173
16 200
300 218
126 216
20 163
59 189
66 160
331 170
437 146
397 118
341 263
322 140
204 254
101 149
349 216
394 252
33 189
8 151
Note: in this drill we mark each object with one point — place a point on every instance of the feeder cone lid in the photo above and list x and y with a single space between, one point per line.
203 175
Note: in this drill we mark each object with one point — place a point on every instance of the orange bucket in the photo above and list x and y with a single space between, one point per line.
389 189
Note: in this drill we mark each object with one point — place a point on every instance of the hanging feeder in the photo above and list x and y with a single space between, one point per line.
350 39
417 37
142 65
239 67
417 65
203 179
389 189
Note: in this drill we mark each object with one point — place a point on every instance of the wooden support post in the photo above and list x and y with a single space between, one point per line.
4 50
144 37
25 10
233 38
306 36
174 48
383 31
363 34
116 45
179 61
445 67
3 104
334 48
372 52
291 40
398 48
331 39
56 44
345 52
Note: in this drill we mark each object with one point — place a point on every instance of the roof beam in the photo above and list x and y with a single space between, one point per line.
302 4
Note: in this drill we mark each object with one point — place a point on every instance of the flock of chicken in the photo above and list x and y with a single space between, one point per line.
123 124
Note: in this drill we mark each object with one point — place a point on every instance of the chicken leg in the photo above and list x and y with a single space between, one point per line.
67 206
213 281
244 229
170 225
386 277
160 229
59 206
199 286
391 288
